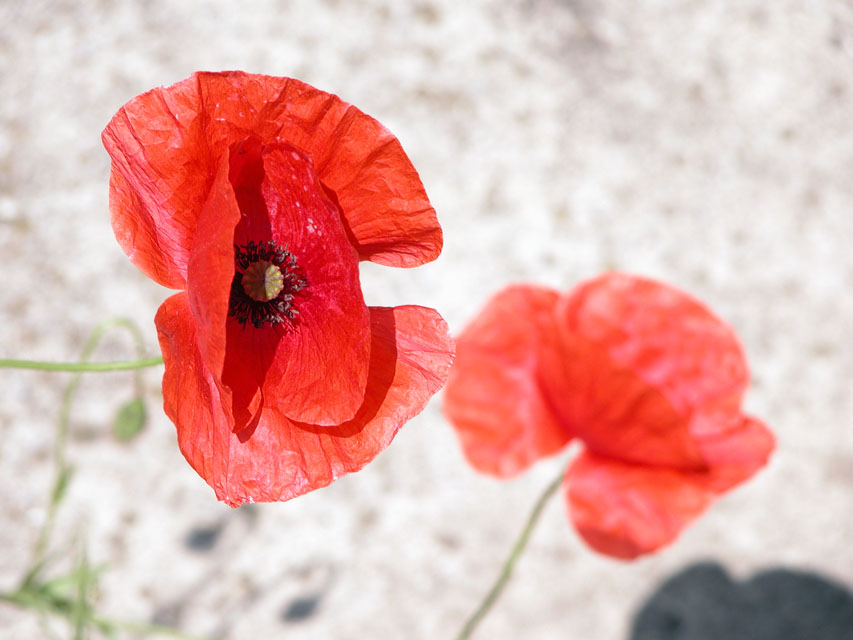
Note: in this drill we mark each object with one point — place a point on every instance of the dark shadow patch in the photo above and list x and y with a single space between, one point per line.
169 615
204 538
702 602
319 579
301 608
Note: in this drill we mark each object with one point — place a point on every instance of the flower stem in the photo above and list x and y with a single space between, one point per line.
63 608
80 367
51 597
62 470
509 563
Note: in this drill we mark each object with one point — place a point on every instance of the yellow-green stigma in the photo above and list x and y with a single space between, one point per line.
262 281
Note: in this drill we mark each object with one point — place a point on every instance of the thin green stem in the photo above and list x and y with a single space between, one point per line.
509 563
43 597
81 367
62 470
65 609
141 628
80 610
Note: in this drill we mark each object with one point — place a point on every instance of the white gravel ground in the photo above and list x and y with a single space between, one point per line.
708 143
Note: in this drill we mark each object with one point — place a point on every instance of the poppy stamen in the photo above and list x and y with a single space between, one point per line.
266 279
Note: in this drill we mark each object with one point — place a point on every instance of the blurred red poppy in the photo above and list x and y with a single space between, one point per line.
644 376
257 196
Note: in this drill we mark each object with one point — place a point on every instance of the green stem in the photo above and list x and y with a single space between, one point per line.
61 468
80 609
140 628
64 609
81 367
509 563
33 593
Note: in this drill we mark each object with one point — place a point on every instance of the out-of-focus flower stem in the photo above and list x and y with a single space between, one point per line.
70 596
62 470
509 563
62 608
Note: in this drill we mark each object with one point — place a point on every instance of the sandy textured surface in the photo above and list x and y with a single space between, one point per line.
706 143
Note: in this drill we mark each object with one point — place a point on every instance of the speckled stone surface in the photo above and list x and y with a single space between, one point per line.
705 143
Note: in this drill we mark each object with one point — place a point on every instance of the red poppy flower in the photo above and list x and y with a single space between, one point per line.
643 375
257 197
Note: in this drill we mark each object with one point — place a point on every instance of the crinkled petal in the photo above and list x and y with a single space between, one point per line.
165 144
211 267
191 397
160 178
493 397
379 192
315 369
278 459
626 510
383 202
641 358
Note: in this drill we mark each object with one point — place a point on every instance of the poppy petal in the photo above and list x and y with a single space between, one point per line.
278 459
735 448
316 370
159 179
641 358
191 398
613 410
410 357
493 396
671 339
163 144
626 510
377 188
211 268
380 194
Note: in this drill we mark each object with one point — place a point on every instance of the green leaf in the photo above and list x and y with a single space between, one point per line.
130 420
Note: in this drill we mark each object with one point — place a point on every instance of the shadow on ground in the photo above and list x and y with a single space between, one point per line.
702 602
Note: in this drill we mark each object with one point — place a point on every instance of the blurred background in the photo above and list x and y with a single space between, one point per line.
705 143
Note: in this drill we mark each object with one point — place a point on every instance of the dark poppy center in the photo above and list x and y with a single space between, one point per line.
266 281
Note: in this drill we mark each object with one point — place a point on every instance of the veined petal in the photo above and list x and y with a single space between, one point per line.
211 267
191 397
379 192
641 359
614 411
278 459
626 510
411 353
315 369
670 339
159 180
165 143
386 209
493 397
